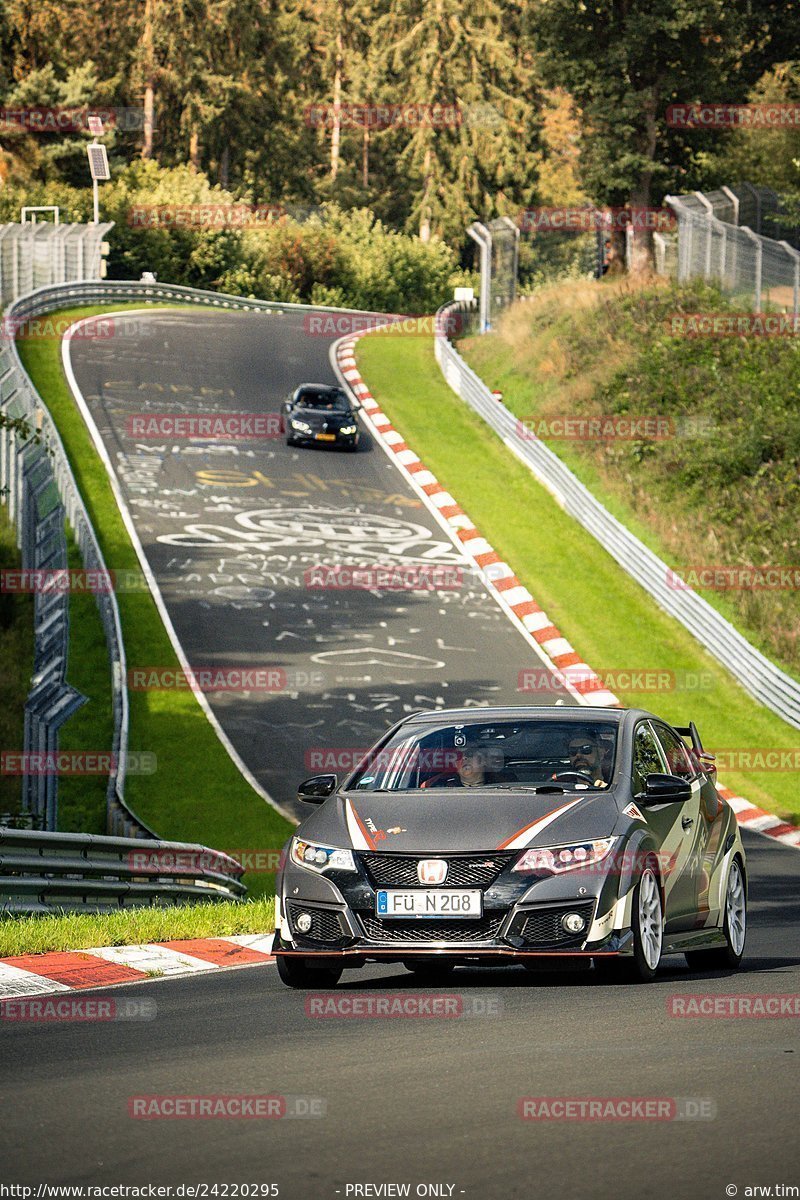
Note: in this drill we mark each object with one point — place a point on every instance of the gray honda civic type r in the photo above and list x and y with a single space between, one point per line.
538 836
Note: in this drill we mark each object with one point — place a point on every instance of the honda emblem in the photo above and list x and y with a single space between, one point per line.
432 870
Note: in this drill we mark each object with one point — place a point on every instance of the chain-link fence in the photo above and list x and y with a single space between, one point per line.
720 238
37 255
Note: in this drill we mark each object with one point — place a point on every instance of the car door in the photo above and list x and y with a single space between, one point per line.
674 826
707 849
689 892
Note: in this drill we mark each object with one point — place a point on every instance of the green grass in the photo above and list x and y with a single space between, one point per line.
196 793
608 618
128 927
728 496
16 663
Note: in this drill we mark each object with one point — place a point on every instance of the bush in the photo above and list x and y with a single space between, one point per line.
329 256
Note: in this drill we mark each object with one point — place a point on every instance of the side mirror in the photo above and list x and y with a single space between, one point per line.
317 788
665 789
356 407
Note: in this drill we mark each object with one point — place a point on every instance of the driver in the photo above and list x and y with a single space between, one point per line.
587 756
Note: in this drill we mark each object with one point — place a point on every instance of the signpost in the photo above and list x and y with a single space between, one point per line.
98 163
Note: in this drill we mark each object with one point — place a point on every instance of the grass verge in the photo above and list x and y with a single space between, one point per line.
721 487
607 617
128 927
196 793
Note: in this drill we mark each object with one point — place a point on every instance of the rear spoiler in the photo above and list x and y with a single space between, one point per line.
703 757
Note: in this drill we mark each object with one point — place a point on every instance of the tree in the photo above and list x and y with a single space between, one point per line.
458 61
625 61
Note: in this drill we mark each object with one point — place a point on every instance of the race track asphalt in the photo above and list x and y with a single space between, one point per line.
406 1101
232 529
428 1100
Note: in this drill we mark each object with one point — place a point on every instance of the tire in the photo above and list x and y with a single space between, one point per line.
647 924
298 973
430 972
734 926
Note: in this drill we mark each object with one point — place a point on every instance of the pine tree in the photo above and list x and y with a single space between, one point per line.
457 61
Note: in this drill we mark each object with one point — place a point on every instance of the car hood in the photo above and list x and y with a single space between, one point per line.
460 819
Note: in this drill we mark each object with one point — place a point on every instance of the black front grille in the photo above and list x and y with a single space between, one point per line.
542 928
463 870
325 924
483 930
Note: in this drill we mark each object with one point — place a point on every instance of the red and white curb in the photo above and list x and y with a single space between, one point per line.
551 645
565 662
75 970
752 817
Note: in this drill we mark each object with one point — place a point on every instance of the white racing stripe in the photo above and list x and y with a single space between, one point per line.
354 829
526 836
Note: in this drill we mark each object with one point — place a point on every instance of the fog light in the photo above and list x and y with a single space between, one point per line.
573 922
303 922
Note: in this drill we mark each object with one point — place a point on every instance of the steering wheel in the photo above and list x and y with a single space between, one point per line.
573 777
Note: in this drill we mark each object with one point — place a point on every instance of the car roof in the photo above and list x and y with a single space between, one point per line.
544 712
332 388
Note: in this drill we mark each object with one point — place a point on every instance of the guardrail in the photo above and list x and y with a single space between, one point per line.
80 872
35 471
764 681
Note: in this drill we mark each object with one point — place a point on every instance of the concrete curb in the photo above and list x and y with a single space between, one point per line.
27 975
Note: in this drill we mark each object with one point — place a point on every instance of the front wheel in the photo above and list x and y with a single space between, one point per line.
647 923
298 973
734 926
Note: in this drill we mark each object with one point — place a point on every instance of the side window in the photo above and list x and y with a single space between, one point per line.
676 753
646 758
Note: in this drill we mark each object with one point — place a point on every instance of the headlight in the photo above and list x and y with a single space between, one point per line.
347 429
321 858
555 859
303 426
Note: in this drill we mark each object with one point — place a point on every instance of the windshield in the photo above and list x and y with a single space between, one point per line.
573 755
328 401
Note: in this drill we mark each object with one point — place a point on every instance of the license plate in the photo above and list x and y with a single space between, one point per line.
325 437
428 903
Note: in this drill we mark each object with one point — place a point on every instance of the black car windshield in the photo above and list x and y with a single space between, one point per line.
504 754
327 401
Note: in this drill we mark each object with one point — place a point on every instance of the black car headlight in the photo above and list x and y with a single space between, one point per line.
318 858
301 426
555 859
348 429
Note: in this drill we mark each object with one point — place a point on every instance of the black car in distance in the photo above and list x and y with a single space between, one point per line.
319 414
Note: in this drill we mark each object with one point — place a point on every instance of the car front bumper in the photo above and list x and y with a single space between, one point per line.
519 920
